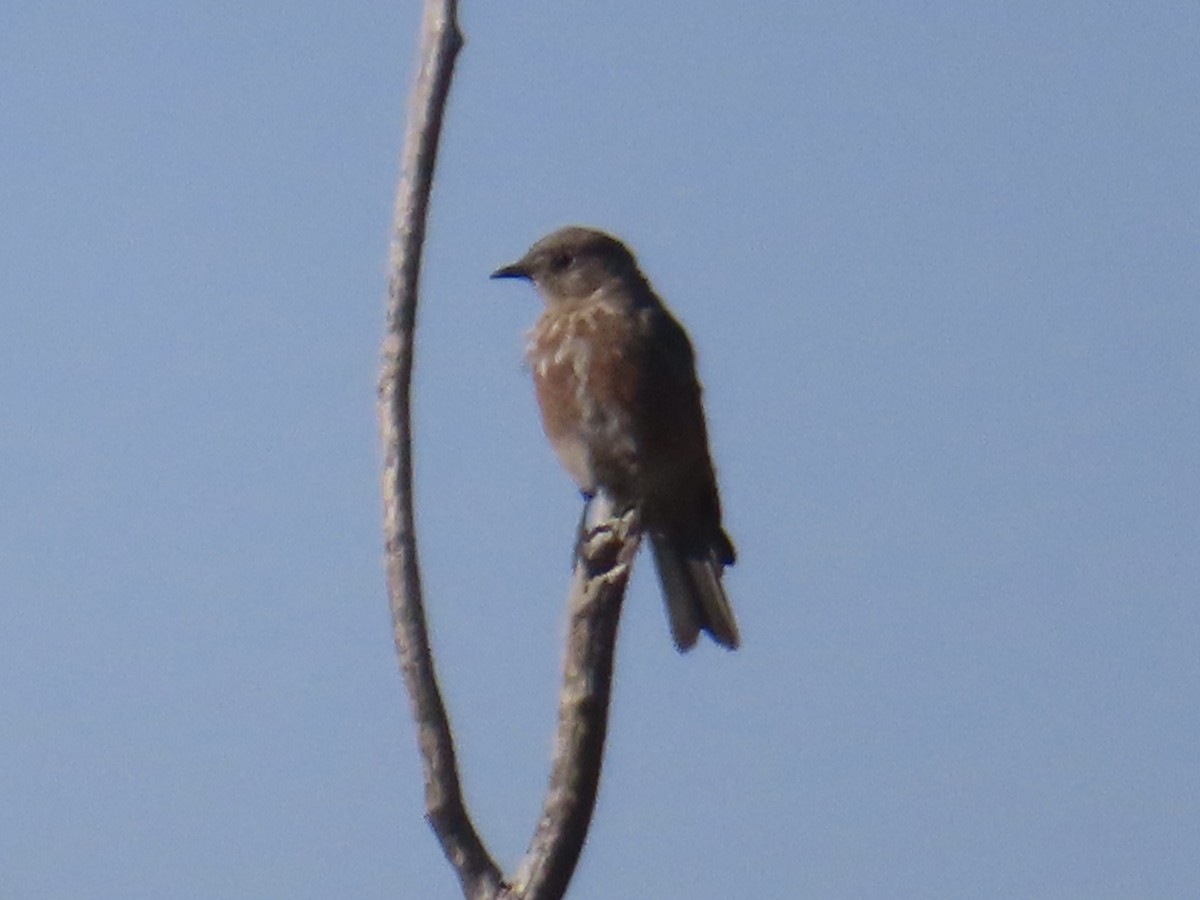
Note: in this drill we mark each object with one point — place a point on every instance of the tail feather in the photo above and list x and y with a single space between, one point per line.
694 595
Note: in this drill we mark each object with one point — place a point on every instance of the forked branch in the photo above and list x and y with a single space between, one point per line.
597 588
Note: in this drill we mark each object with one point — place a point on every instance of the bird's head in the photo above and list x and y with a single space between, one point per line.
572 264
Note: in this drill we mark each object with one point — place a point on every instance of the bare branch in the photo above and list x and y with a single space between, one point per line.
445 809
594 605
598 585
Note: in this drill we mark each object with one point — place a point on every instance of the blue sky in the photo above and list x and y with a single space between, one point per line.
940 263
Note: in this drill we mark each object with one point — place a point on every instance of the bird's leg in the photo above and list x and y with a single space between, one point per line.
581 532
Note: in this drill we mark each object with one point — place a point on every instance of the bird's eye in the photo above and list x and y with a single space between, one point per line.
560 262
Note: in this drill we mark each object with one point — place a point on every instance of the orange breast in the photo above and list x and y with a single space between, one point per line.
587 379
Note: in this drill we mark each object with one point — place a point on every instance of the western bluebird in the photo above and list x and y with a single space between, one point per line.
616 382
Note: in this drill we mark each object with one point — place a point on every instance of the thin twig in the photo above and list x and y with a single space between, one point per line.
477 871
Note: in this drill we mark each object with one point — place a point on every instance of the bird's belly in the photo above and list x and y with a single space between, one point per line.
585 412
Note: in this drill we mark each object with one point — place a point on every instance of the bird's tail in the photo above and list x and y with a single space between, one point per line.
695 598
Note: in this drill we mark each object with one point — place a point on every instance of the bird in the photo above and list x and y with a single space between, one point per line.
615 377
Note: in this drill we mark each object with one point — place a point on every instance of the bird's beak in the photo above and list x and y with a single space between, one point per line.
516 270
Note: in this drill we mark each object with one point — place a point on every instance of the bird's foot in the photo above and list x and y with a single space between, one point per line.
608 542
